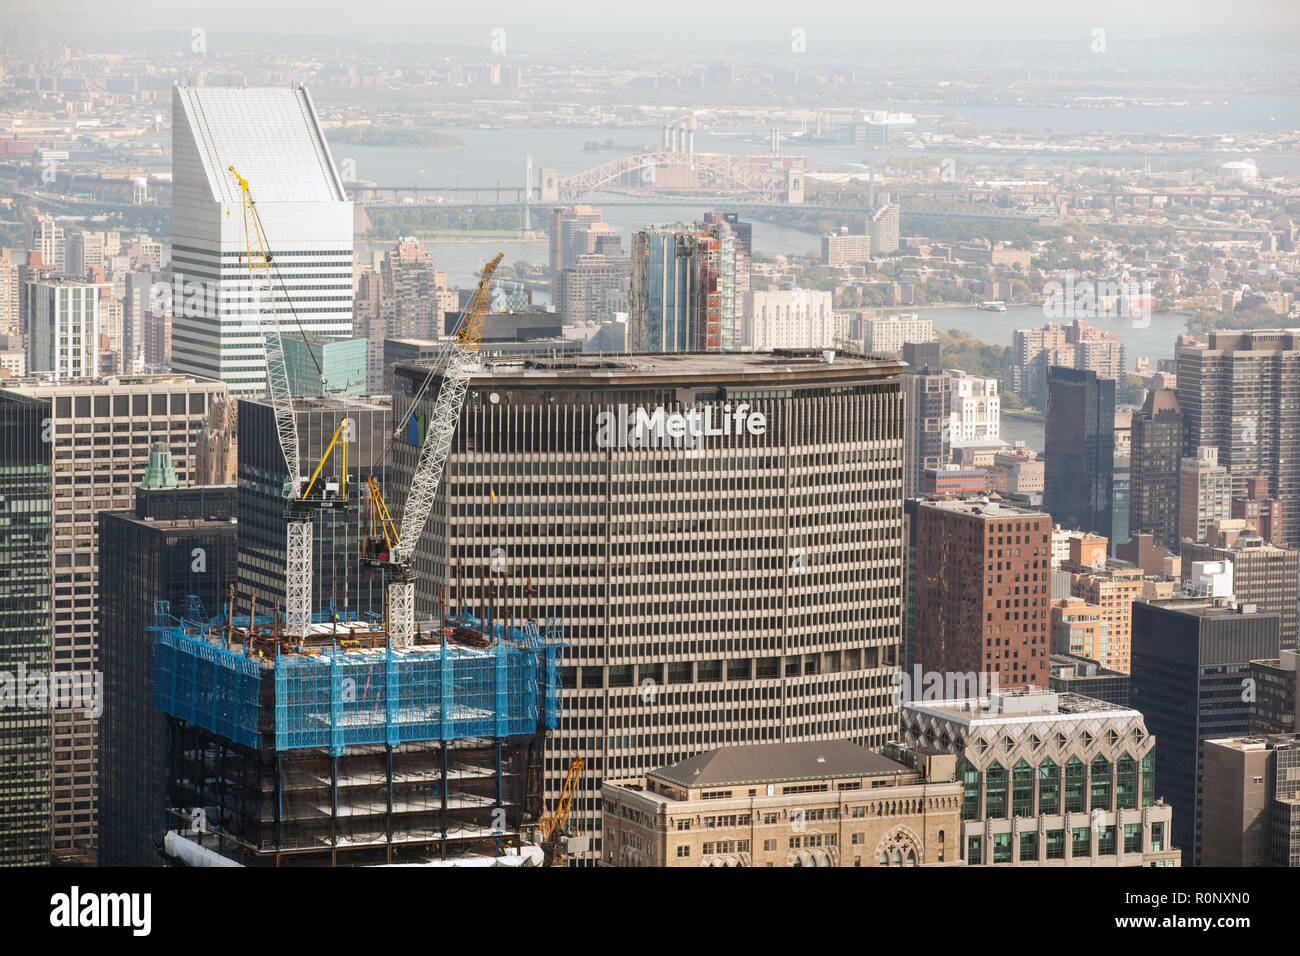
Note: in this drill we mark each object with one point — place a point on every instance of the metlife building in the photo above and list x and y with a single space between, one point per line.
720 535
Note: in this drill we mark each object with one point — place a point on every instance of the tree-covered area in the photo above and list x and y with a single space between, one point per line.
960 349
1258 317
433 220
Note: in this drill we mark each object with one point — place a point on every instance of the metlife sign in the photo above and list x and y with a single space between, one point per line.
659 428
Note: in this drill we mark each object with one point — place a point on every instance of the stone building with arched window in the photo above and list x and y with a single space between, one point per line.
812 804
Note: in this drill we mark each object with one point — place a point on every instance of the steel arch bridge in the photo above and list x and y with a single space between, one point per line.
736 173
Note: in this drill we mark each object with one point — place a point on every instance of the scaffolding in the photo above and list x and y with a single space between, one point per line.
296 750
337 693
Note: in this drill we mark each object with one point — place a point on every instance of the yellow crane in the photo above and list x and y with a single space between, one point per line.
298 545
553 829
461 362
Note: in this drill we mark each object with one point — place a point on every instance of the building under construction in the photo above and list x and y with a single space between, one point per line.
339 748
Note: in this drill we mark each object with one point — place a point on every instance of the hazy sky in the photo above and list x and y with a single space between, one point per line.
836 28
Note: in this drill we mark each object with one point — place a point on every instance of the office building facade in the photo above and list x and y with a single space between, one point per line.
273 139
889 333
927 433
26 614
982 590
738 586
1155 454
1275 706
101 435
1204 494
1050 779
1252 801
788 319
594 289
577 231
1262 575
1080 450
828 803
1191 662
177 544
63 329
688 288
1238 393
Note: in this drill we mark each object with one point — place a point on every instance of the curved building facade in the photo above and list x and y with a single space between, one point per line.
720 535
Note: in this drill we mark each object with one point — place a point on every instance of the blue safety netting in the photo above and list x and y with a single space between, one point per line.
206 685
339 699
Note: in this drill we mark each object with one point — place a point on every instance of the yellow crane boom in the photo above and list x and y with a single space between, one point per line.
552 828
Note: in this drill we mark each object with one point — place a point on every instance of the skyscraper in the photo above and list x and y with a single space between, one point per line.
273 139
178 543
982 590
1204 493
339 579
1049 779
1262 575
405 298
788 319
1080 439
882 227
1077 345
577 231
1239 394
1111 587
48 239
927 416
99 437
593 288
1191 662
1156 449
1252 802
1259 510
711 587
26 592
688 286
63 328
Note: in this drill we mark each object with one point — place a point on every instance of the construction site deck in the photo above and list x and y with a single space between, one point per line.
335 743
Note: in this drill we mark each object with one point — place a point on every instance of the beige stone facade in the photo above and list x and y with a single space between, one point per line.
866 810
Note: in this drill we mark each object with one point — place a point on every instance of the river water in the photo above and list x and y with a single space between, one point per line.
497 156
492 156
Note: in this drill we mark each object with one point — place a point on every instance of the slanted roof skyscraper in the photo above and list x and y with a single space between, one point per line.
272 136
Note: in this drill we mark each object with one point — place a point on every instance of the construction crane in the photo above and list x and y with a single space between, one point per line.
554 829
461 360
298 548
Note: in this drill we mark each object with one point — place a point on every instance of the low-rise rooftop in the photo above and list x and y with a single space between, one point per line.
777 763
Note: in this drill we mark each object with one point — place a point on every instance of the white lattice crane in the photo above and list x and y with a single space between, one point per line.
460 362
298 564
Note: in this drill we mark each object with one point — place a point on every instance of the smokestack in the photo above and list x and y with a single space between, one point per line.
690 141
668 138
776 142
